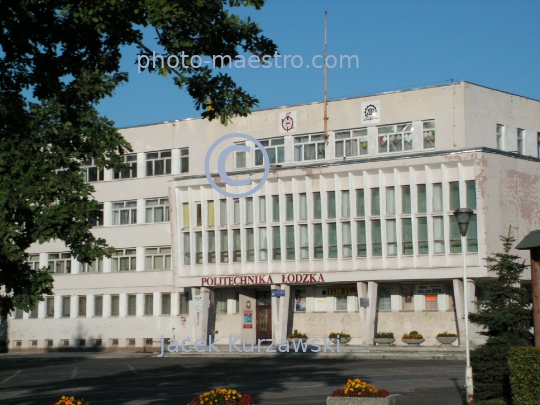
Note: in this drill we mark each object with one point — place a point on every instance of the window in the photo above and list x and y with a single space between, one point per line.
407 297
385 300
198 248
472 238
428 134
131 305
500 137
224 246
249 210
158 163
236 212
98 305
49 306
375 202
376 238
394 138
115 305
421 199
148 304
34 312
95 267
520 139
304 242
300 301
275 149
345 204
250 245
185 212
124 213
198 213
437 198
390 201
391 238
131 172
183 303
317 207
331 196
221 302
124 260
165 304
187 248
309 147
289 242
59 263
211 213
406 228
430 302
97 220
276 243
455 236
184 160
318 241
406 199
158 258
351 143
360 203
423 247
157 210
438 234
66 306
341 303
82 306
18 313
470 193
289 207
302 206
332 240
263 244
33 261
90 171
346 239
237 246
262 209
361 247
211 247
454 195
223 212
275 208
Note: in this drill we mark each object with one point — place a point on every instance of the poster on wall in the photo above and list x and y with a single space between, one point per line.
248 319
300 300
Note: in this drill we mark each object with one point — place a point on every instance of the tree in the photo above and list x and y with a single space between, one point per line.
58 59
507 319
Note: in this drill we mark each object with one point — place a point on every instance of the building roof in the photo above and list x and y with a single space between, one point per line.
531 241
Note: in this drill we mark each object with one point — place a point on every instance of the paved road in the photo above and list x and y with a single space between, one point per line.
176 380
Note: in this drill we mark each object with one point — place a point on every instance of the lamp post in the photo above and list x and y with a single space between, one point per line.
463 216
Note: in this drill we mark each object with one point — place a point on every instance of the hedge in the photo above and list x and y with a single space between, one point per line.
524 363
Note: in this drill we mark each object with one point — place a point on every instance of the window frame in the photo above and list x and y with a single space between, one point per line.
151 162
128 205
130 173
387 135
161 252
315 141
119 254
161 203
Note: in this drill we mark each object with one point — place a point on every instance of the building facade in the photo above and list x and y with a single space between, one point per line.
356 231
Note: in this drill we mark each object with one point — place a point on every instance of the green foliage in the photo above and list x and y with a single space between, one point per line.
384 335
506 318
57 61
524 363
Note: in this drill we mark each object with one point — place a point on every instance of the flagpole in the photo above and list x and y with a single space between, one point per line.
325 80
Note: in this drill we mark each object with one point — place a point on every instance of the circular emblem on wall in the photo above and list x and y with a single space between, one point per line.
248 304
287 123
370 110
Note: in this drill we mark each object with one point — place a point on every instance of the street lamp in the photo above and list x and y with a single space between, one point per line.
463 216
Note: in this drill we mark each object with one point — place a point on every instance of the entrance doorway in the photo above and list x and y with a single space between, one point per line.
264 315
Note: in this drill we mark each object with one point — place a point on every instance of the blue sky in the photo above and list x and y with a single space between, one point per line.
399 44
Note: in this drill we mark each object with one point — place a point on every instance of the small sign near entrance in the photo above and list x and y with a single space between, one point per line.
278 293
429 289
197 303
248 319
364 302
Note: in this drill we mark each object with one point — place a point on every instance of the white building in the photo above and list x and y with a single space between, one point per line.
366 215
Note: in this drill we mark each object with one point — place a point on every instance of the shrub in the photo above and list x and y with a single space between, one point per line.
490 371
334 335
359 388
384 335
524 365
446 334
412 335
70 401
222 396
297 335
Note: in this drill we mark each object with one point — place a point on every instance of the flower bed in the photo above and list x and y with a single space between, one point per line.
70 401
358 388
222 396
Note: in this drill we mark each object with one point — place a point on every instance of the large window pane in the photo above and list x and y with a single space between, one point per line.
438 234
263 245
332 241
437 198
421 199
211 213
385 301
224 246
317 210
345 204
211 247
289 207
391 237
471 194
198 248
360 206
289 242
223 212
361 239
390 201
375 202
472 238
455 236
304 242
406 225
406 199
303 206
454 195
423 247
249 210
275 208
262 209
237 246
250 245
346 239
318 241
276 243
376 238
331 204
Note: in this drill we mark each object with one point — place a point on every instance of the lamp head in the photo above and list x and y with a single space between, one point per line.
463 216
